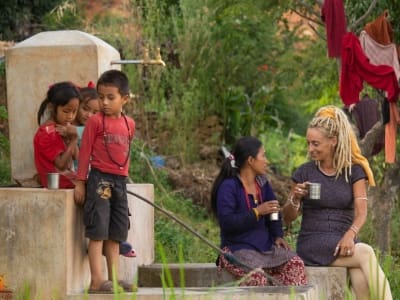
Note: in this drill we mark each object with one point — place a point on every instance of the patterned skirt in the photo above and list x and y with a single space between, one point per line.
254 268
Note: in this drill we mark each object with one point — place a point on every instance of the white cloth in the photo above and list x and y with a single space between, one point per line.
379 54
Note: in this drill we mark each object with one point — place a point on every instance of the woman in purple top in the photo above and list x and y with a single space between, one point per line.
329 227
243 201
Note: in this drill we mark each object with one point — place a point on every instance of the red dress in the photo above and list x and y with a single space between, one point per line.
48 144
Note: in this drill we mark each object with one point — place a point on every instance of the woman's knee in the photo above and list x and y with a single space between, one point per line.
364 251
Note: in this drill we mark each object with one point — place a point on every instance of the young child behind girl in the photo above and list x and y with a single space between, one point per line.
55 141
101 179
88 106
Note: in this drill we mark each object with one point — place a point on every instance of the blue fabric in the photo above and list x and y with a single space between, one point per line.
238 223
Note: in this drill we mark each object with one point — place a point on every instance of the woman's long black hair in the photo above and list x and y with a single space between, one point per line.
244 148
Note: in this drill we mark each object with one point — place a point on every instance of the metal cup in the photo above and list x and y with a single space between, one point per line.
53 180
314 191
274 216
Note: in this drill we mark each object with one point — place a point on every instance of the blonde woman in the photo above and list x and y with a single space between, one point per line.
330 225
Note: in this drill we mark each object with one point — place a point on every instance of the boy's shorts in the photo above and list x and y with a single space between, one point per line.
105 212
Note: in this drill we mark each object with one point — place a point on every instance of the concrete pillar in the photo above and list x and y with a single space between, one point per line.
43 245
31 67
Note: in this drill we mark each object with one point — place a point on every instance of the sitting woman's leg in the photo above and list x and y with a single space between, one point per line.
364 259
291 273
359 284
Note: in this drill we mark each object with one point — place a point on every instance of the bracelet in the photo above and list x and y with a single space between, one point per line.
256 213
361 198
296 206
355 229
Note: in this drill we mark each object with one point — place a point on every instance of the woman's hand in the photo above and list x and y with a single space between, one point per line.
299 190
281 243
268 207
345 247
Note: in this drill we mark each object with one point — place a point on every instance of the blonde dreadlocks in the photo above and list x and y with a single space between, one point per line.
335 124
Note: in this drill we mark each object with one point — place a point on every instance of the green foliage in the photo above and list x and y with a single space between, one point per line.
285 153
141 169
65 15
356 9
17 18
167 232
171 234
222 66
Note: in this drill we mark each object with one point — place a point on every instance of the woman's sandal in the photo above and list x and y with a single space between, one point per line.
127 286
105 288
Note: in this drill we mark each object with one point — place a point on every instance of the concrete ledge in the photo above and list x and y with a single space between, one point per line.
237 293
43 244
330 282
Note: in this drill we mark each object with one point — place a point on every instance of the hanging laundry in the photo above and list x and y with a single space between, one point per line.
366 114
356 69
380 29
391 133
332 13
380 54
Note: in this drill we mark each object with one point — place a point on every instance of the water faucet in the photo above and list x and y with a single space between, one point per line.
157 61
146 59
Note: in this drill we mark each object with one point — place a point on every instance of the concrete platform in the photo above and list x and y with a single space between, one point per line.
43 244
330 282
232 293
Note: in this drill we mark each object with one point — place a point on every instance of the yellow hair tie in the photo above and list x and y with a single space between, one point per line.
327 112
358 158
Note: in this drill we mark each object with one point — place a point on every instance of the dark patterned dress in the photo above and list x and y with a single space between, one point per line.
325 221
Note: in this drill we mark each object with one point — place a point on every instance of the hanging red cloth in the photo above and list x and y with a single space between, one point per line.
356 68
332 13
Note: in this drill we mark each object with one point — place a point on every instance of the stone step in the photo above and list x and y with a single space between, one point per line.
194 275
329 282
237 293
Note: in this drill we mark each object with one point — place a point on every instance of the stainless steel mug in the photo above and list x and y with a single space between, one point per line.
314 191
274 216
53 180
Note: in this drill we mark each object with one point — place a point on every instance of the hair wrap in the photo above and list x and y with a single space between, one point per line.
232 160
338 125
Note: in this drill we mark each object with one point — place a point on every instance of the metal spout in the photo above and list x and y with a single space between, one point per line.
145 61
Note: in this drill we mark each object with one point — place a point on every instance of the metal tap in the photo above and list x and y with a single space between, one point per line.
145 61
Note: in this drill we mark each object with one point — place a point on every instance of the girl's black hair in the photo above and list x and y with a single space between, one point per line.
88 93
115 78
59 94
244 148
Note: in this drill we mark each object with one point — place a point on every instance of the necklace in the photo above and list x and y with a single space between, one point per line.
256 197
121 166
327 173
